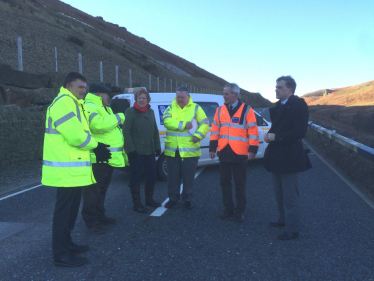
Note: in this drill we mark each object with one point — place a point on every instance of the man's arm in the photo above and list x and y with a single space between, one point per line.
203 124
102 124
65 119
214 135
253 136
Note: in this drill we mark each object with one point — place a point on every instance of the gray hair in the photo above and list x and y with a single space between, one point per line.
183 89
234 88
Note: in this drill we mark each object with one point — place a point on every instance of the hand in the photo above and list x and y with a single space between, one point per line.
158 152
102 153
266 138
188 125
251 156
212 154
195 139
271 137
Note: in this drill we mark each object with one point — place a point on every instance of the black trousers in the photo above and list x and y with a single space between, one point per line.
94 195
65 214
239 172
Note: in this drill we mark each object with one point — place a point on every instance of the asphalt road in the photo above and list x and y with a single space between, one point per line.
336 241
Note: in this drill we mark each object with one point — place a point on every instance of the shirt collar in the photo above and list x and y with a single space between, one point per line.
234 104
284 102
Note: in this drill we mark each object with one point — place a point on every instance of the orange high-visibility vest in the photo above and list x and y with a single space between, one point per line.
239 131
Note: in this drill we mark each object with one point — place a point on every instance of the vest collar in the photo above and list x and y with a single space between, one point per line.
95 99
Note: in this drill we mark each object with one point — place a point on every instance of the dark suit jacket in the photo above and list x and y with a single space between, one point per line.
286 154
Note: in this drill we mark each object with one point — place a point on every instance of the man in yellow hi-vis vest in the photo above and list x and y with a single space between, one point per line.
105 127
182 145
67 164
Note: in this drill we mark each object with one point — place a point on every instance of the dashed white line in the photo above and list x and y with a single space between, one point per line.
22 191
161 210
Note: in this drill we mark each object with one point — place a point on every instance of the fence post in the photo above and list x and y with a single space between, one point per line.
55 57
19 47
164 84
150 82
116 69
158 84
171 85
130 78
101 72
80 63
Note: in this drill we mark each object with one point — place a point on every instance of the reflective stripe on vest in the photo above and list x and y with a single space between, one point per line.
170 148
91 117
66 164
114 149
178 134
64 119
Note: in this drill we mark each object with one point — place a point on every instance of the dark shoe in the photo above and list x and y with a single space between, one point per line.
78 249
96 229
226 214
170 204
138 207
152 203
288 236
189 205
276 224
70 260
239 216
106 220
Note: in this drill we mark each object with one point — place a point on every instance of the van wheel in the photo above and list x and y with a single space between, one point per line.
162 170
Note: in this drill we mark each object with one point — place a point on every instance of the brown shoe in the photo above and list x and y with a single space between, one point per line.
96 229
239 216
226 214
106 220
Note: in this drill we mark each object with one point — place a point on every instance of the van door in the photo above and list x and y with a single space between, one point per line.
263 128
209 109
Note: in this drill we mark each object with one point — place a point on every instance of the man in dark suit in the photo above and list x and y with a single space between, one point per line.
285 156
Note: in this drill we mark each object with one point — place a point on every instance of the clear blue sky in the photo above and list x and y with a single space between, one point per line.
321 43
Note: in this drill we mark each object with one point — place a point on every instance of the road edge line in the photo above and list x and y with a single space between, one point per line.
342 177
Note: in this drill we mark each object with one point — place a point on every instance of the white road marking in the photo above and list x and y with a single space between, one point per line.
161 210
19 192
355 189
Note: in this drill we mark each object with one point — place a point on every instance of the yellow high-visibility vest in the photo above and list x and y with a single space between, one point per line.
105 127
67 143
177 136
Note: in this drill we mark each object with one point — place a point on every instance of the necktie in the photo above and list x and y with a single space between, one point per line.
230 107
281 108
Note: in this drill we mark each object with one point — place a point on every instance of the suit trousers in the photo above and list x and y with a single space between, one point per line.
65 214
94 195
178 169
239 172
286 188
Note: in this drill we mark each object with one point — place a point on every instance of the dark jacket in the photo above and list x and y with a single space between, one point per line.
140 132
286 154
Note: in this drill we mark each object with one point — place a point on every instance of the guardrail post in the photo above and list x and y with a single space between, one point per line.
19 48
116 70
101 71
55 58
130 78
80 63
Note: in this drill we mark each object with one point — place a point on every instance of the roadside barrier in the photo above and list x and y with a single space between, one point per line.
361 149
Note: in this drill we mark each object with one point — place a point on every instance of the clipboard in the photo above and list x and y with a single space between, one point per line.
194 127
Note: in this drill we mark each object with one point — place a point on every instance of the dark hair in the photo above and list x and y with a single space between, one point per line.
72 76
290 82
183 89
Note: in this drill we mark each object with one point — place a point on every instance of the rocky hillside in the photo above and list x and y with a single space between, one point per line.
45 24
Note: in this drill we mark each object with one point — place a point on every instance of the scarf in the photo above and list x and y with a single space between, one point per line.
142 109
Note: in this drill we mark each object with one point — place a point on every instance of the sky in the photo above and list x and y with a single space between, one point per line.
320 43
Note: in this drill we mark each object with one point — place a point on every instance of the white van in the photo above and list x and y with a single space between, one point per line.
209 103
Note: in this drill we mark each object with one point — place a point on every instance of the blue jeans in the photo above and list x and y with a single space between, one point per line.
136 167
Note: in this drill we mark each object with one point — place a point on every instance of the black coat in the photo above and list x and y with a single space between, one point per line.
286 154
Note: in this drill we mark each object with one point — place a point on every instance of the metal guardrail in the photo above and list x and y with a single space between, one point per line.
355 146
